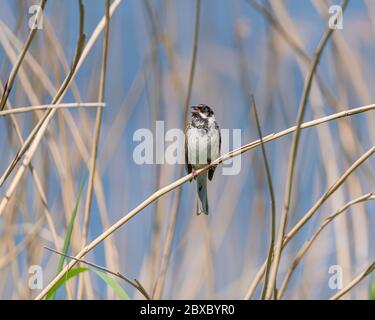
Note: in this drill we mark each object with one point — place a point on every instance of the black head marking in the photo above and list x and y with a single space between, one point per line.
200 115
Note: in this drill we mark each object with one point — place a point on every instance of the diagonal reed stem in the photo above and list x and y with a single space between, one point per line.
159 193
293 156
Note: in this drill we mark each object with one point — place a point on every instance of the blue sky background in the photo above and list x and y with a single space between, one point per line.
240 242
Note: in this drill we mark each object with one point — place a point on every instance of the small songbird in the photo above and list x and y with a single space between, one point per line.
202 145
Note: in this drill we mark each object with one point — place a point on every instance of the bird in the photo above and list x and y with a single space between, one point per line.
202 146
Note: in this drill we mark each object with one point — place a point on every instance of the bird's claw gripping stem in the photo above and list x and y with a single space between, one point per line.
194 173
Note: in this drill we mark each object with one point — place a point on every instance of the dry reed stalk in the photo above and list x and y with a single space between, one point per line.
354 282
74 105
159 284
306 246
159 193
308 215
292 158
9 83
38 133
95 143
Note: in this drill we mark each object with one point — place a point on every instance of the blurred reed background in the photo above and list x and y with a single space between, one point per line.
243 47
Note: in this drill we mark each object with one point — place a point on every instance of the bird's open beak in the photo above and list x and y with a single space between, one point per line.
194 109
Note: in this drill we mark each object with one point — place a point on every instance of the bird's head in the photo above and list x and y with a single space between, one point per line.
201 112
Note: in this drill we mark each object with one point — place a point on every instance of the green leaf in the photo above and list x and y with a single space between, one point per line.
68 235
70 274
113 284
372 289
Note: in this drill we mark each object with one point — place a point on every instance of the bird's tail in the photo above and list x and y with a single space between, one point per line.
202 205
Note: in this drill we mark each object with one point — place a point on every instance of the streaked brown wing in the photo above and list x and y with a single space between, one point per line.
188 167
212 170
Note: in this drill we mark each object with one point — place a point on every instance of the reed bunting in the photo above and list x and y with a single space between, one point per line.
202 145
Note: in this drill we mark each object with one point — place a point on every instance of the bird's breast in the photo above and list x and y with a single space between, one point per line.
203 146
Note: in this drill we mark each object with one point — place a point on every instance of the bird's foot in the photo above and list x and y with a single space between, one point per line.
194 173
